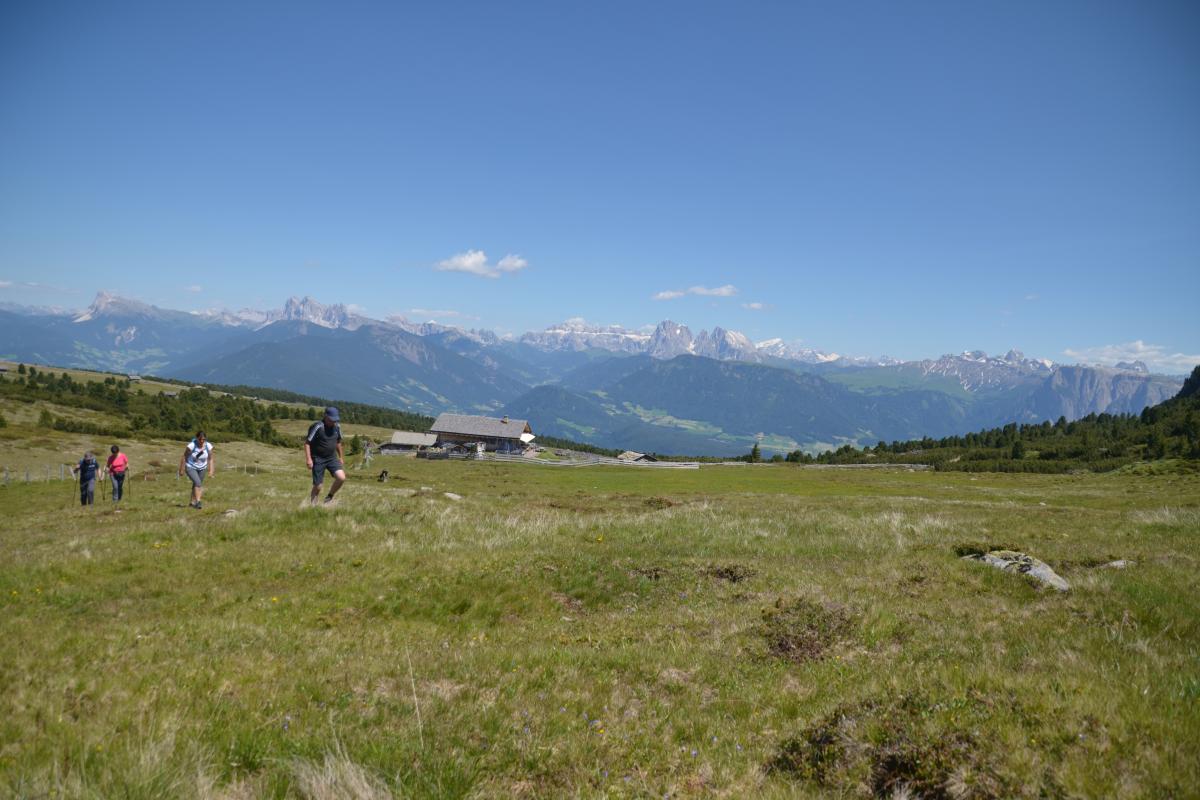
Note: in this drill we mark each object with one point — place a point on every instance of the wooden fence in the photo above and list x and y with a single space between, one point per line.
588 461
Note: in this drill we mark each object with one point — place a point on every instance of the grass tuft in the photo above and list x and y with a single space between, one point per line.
802 630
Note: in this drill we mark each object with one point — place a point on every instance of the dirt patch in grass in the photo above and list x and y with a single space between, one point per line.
731 573
650 573
658 502
891 748
567 602
1083 563
676 677
802 630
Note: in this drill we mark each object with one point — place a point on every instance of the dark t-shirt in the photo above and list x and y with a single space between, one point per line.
323 441
87 469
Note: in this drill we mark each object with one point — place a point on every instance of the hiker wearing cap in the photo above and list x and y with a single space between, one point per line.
323 451
197 459
87 469
116 465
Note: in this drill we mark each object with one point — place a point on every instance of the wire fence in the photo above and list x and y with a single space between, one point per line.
46 473
62 472
589 461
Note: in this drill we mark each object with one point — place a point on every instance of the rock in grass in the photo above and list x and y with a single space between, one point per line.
1120 563
1013 561
452 496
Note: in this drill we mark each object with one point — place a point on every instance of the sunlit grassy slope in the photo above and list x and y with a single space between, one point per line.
731 632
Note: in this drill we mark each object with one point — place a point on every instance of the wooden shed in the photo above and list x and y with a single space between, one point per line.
498 434
407 442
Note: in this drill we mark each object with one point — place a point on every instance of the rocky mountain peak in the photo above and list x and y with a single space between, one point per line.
726 345
309 310
578 334
1133 366
670 339
305 309
107 304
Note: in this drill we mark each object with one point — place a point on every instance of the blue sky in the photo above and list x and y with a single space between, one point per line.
908 179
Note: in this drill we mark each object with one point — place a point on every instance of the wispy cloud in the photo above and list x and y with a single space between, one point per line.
755 306
475 262
728 290
35 285
1155 356
195 288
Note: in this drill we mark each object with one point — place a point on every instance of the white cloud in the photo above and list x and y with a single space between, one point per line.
756 306
512 263
1155 356
194 288
728 290
5 284
475 262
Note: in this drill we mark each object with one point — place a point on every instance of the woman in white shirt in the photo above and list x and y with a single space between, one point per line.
197 459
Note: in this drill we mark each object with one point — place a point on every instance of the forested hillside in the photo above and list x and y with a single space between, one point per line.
131 411
1097 442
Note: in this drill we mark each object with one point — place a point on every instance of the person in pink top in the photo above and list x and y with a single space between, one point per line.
117 465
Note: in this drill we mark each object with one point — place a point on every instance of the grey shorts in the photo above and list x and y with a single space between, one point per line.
322 464
196 475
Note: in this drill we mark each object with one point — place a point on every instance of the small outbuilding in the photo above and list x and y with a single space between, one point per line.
501 434
633 456
407 442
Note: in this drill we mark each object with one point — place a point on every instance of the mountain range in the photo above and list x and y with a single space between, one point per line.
661 389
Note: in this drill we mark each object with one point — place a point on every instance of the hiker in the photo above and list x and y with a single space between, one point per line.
323 451
116 465
197 458
86 469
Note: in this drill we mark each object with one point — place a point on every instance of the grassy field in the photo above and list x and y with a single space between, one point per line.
299 427
727 632
86 376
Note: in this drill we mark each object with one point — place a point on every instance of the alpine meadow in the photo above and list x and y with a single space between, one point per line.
471 628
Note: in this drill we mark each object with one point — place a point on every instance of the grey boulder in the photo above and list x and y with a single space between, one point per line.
1013 561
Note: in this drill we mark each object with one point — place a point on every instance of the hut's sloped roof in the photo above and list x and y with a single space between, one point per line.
491 427
414 439
631 455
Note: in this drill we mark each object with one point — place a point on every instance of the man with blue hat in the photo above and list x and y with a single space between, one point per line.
323 451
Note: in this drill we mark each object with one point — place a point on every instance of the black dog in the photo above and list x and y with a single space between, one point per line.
383 476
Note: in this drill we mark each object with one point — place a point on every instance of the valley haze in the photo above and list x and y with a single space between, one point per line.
664 389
